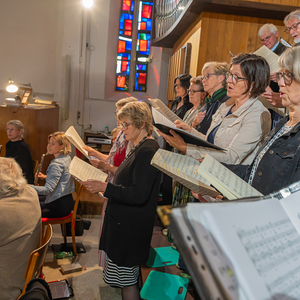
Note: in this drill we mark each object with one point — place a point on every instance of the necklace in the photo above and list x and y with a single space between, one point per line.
134 148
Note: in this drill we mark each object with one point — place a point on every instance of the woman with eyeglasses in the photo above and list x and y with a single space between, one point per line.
110 162
240 124
131 208
214 82
278 162
181 104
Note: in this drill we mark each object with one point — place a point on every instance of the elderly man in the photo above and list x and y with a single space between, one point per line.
292 24
268 35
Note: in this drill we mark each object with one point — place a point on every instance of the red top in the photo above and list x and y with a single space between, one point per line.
120 155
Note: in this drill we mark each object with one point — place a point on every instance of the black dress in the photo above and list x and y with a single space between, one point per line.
180 112
20 151
130 212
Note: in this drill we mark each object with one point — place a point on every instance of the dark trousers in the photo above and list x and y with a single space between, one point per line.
58 208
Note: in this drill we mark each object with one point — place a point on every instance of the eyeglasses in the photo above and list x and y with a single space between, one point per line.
266 38
294 27
234 77
287 77
177 86
206 77
193 91
116 112
125 125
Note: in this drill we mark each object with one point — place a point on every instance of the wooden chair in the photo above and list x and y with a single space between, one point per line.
71 217
37 258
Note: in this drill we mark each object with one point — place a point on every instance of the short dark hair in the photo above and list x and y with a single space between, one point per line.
184 80
256 71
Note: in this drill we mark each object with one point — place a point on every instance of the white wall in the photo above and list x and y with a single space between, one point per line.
37 35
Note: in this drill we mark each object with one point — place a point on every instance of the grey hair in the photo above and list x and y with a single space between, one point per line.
292 15
11 179
290 60
220 68
267 28
126 100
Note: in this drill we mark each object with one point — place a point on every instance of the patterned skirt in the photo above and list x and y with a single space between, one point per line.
117 276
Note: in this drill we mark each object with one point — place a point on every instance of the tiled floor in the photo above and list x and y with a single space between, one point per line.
87 284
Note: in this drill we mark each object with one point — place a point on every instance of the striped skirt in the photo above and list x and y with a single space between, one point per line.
117 276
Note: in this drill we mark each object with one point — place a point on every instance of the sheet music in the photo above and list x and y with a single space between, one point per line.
76 140
291 205
270 57
83 171
229 184
164 110
184 169
161 119
261 244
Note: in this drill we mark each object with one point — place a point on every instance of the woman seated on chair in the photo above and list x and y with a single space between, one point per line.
56 195
17 148
20 223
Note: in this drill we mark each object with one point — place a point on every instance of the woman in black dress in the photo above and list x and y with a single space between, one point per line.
130 212
17 148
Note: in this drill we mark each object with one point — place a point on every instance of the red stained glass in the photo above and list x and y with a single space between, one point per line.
120 81
126 4
128 24
128 33
124 66
143 46
143 25
146 11
142 78
121 46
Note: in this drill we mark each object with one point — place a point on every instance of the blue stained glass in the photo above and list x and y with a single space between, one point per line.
149 25
121 32
128 69
128 45
144 67
132 6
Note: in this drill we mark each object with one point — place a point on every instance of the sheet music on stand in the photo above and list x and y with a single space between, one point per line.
242 249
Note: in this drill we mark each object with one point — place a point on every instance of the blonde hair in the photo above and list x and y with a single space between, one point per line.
18 124
60 137
124 101
220 68
139 113
11 179
116 130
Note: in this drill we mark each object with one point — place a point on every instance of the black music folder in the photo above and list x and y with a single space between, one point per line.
242 249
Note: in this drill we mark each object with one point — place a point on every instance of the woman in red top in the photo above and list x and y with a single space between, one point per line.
110 163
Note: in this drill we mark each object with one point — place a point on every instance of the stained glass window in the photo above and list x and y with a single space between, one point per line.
124 45
143 44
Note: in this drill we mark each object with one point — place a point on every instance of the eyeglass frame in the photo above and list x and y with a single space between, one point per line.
194 91
294 27
124 125
266 39
280 75
177 85
233 77
206 77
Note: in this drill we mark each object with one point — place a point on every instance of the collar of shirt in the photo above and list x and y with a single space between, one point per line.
275 46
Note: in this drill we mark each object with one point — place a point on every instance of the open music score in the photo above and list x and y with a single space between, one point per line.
199 176
270 57
76 140
164 110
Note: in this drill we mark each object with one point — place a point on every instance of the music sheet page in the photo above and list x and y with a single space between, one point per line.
291 205
270 57
229 184
160 106
259 247
161 119
184 169
83 171
76 140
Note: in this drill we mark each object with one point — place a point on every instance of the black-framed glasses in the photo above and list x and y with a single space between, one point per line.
124 125
193 91
266 38
287 77
206 76
234 77
177 86
294 27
